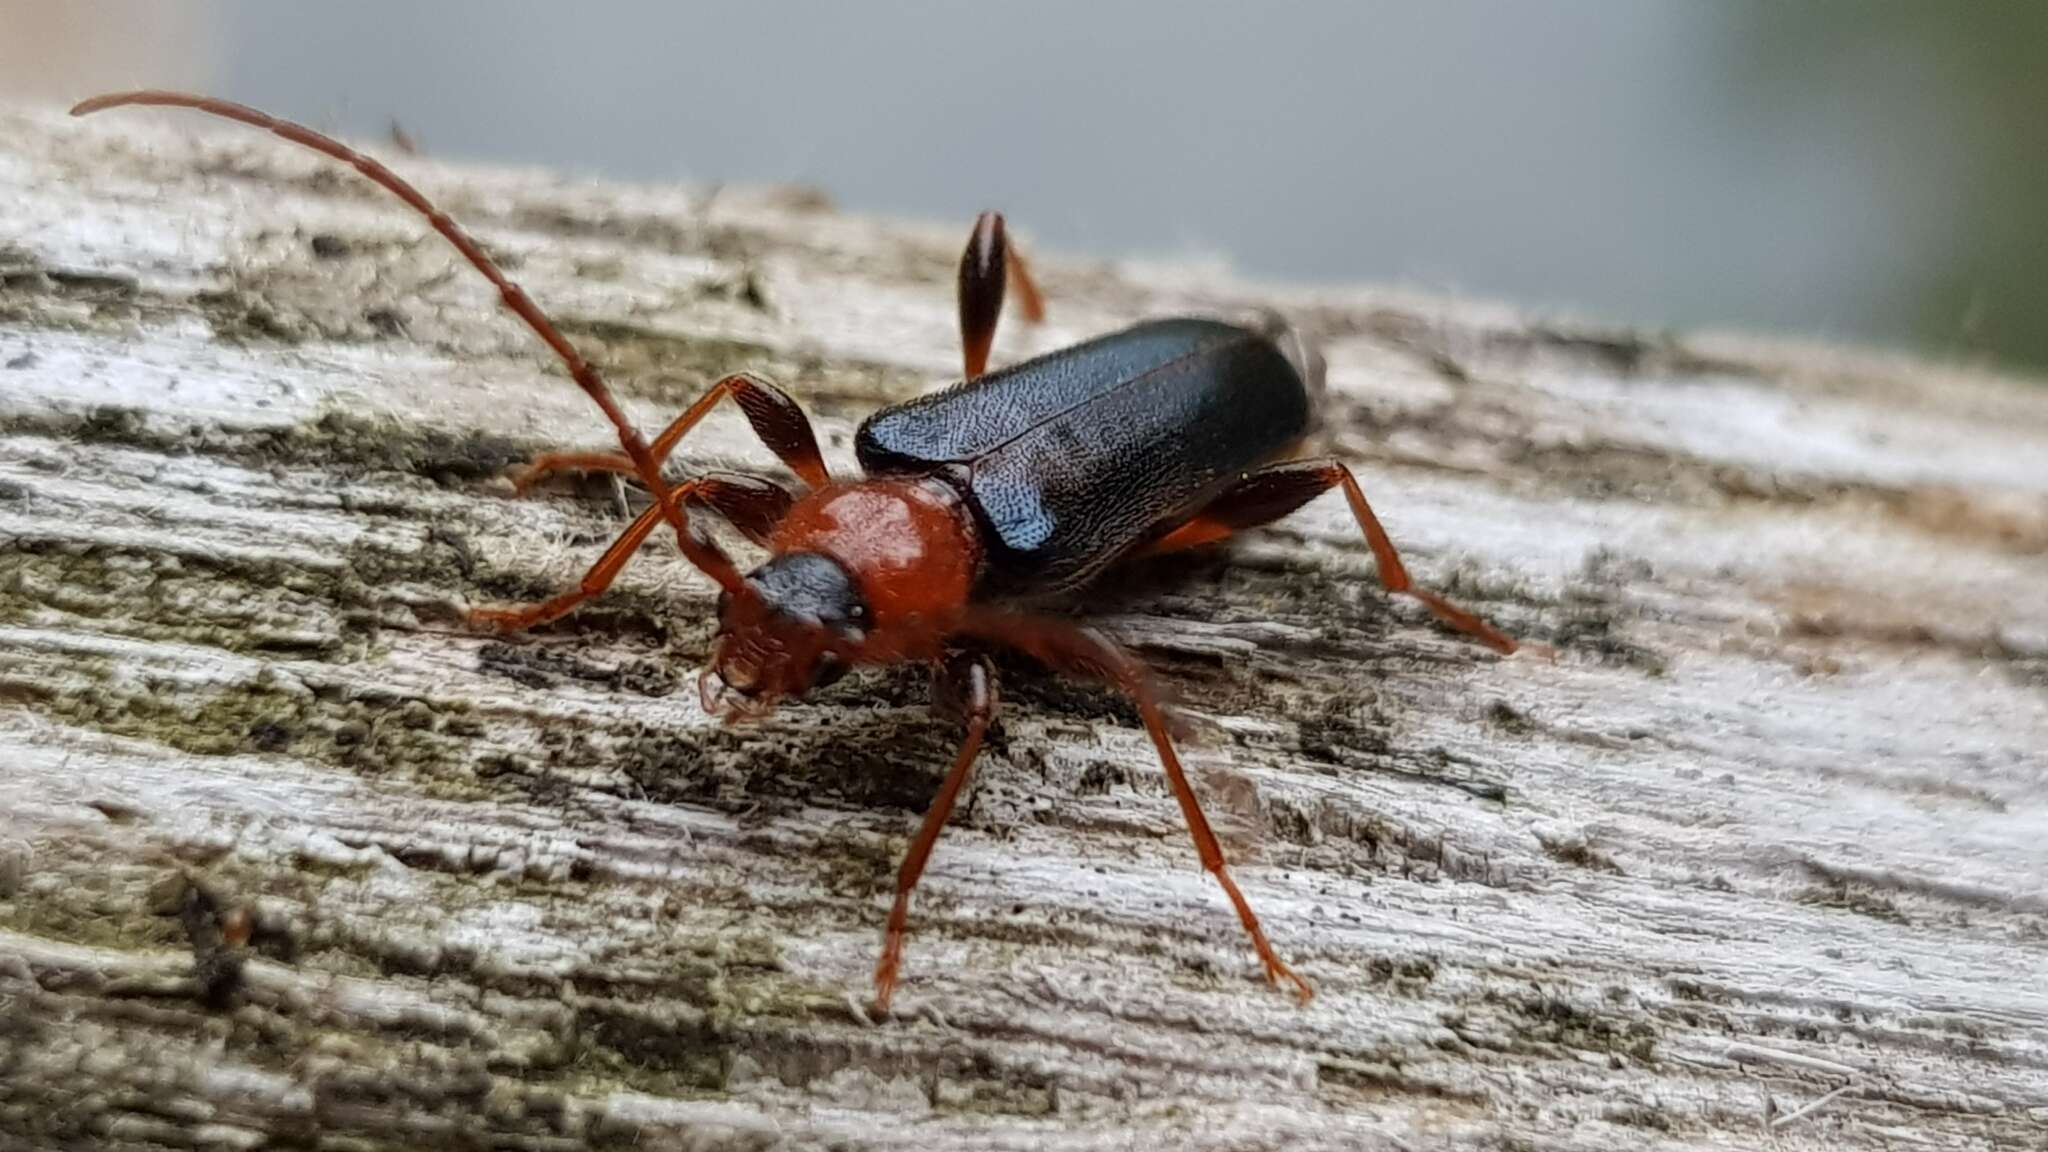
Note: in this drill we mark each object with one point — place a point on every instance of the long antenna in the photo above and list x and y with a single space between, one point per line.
700 550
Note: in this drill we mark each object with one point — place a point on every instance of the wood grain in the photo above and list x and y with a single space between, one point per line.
288 857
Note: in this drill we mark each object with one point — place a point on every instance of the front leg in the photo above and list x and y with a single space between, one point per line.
773 415
965 686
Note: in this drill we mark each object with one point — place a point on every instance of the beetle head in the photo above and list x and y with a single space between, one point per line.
795 624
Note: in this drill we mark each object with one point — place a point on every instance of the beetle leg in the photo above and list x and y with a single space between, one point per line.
1266 495
1067 647
774 416
988 266
966 685
752 504
749 503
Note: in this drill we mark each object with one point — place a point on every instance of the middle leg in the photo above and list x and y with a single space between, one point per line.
1066 647
748 503
966 685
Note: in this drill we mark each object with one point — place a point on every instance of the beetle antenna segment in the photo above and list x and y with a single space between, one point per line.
700 550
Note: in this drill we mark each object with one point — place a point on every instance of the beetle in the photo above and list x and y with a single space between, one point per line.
976 500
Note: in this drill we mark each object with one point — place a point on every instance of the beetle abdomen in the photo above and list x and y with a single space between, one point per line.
1070 459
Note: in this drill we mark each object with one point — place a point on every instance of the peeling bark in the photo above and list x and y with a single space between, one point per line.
287 856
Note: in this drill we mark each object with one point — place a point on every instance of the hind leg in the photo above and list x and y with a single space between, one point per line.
1270 493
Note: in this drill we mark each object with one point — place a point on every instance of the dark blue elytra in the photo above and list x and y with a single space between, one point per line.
1073 458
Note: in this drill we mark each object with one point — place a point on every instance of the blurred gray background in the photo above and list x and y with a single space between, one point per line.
1873 172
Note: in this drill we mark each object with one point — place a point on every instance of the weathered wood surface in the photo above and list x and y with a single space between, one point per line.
1757 861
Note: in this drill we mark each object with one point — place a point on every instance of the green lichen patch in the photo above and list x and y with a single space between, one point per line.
1608 470
878 759
289 286
1383 1076
44 296
256 604
1598 630
210 599
94 924
1537 1018
338 441
1348 841
658 672
247 601
1361 732
101 908
356 444
371 733
1342 731
1851 897
271 299
1594 616
1408 974
678 1017
668 1052
735 242
238 316
1578 852
981 1085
